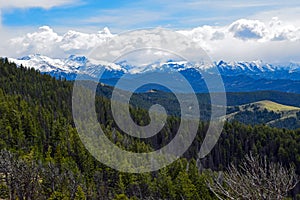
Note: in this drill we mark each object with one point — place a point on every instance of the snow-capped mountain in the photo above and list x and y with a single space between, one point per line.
237 76
255 66
75 64
65 68
46 64
260 69
81 64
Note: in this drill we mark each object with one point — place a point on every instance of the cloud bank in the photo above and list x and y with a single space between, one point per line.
242 40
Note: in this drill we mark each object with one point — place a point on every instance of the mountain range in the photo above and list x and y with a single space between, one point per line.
237 76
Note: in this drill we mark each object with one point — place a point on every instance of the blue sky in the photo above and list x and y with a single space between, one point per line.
128 14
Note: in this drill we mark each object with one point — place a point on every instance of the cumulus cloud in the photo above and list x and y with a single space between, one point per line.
204 33
245 29
281 32
46 41
43 41
248 29
73 40
248 40
243 39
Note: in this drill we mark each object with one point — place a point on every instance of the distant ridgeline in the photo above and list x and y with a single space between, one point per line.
43 155
237 76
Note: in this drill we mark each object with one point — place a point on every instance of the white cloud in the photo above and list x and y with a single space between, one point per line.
244 40
46 4
248 29
143 47
74 40
43 41
46 41
248 40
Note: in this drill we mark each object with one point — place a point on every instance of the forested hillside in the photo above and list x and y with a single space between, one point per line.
42 156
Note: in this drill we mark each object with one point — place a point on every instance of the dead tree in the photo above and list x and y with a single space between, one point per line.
20 177
254 178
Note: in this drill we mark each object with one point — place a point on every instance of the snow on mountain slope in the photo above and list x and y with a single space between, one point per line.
237 76
46 64
254 66
71 65
80 64
259 69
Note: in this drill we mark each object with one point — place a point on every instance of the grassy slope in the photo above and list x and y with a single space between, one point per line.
285 112
276 107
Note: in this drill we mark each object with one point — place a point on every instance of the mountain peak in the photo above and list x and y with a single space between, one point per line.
81 64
